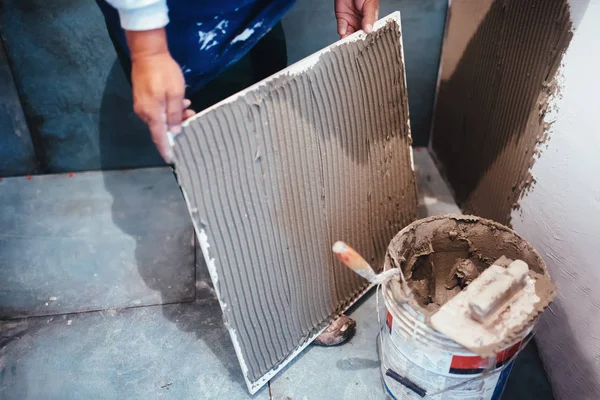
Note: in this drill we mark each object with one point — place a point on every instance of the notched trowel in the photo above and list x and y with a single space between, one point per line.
496 307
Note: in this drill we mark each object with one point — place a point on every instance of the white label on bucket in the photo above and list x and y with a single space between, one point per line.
432 359
450 374
444 362
479 388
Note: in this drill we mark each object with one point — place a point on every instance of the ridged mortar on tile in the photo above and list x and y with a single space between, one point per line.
276 174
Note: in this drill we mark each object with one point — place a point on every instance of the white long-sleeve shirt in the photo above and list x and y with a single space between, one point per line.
141 15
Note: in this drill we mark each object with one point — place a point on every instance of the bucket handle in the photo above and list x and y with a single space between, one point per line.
406 382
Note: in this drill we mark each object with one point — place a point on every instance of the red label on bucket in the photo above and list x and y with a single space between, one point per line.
505 355
466 365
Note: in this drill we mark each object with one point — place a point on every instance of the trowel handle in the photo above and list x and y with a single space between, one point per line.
354 261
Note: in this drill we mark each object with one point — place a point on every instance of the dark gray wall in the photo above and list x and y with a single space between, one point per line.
17 155
77 101
75 97
311 25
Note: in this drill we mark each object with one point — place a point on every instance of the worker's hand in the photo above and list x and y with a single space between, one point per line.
158 91
353 15
158 87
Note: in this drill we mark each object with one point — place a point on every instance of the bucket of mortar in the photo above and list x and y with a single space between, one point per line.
416 360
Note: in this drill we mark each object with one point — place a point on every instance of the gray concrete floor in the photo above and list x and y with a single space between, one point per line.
183 351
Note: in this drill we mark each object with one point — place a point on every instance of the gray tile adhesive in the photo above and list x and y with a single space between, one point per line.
274 175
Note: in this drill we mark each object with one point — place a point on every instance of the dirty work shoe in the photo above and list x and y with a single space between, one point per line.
337 332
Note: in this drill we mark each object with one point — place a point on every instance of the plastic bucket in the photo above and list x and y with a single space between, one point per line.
419 362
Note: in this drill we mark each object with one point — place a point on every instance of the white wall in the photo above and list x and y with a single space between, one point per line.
560 216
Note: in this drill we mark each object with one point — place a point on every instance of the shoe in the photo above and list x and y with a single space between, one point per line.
337 332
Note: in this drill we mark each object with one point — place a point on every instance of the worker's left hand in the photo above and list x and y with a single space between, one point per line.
353 15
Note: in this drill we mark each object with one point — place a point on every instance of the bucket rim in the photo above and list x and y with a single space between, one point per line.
466 218
438 338
472 218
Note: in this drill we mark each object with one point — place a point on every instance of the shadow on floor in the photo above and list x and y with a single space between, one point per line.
124 140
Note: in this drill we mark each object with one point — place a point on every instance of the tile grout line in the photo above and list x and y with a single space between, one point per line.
106 309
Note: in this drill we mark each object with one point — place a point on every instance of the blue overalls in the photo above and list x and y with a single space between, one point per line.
205 37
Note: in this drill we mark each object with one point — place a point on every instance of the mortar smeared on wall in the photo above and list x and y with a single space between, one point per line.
499 63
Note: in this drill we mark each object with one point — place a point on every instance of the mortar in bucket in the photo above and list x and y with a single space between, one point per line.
438 257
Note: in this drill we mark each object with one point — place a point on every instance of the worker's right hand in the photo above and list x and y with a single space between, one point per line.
158 96
158 86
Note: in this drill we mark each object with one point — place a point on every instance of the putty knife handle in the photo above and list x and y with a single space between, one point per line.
354 261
